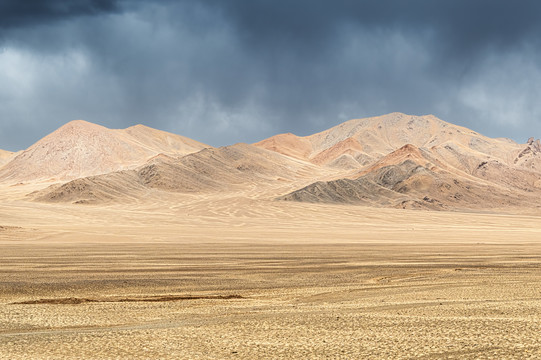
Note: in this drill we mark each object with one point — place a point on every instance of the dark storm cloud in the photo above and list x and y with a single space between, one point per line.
461 27
411 55
17 13
235 70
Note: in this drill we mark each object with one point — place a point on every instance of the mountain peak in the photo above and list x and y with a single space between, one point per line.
80 148
5 156
139 127
408 152
287 144
80 124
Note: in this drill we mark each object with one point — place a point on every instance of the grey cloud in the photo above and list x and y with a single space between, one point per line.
466 26
17 13
228 71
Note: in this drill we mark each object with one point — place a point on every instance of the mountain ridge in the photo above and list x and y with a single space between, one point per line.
393 160
80 148
5 156
383 134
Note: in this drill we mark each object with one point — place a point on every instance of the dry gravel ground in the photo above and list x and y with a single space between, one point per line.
219 278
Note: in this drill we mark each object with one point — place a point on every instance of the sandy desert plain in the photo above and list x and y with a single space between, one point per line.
92 267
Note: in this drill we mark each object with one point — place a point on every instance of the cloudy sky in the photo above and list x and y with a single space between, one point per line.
224 71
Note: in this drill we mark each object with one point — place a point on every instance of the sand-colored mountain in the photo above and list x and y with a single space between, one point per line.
191 256
510 173
395 160
288 144
226 169
384 183
369 139
411 178
5 156
80 149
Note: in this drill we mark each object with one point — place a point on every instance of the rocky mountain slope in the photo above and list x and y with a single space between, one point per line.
367 140
5 157
430 164
210 170
394 160
80 149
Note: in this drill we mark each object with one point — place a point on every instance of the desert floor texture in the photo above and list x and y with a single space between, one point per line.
236 277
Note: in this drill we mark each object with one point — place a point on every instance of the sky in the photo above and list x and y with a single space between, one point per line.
227 71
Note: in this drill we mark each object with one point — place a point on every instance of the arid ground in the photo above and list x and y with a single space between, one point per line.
218 277
393 237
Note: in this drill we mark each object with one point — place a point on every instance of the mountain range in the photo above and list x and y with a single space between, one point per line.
394 160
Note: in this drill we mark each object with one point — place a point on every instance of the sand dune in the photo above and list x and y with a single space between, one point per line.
80 149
